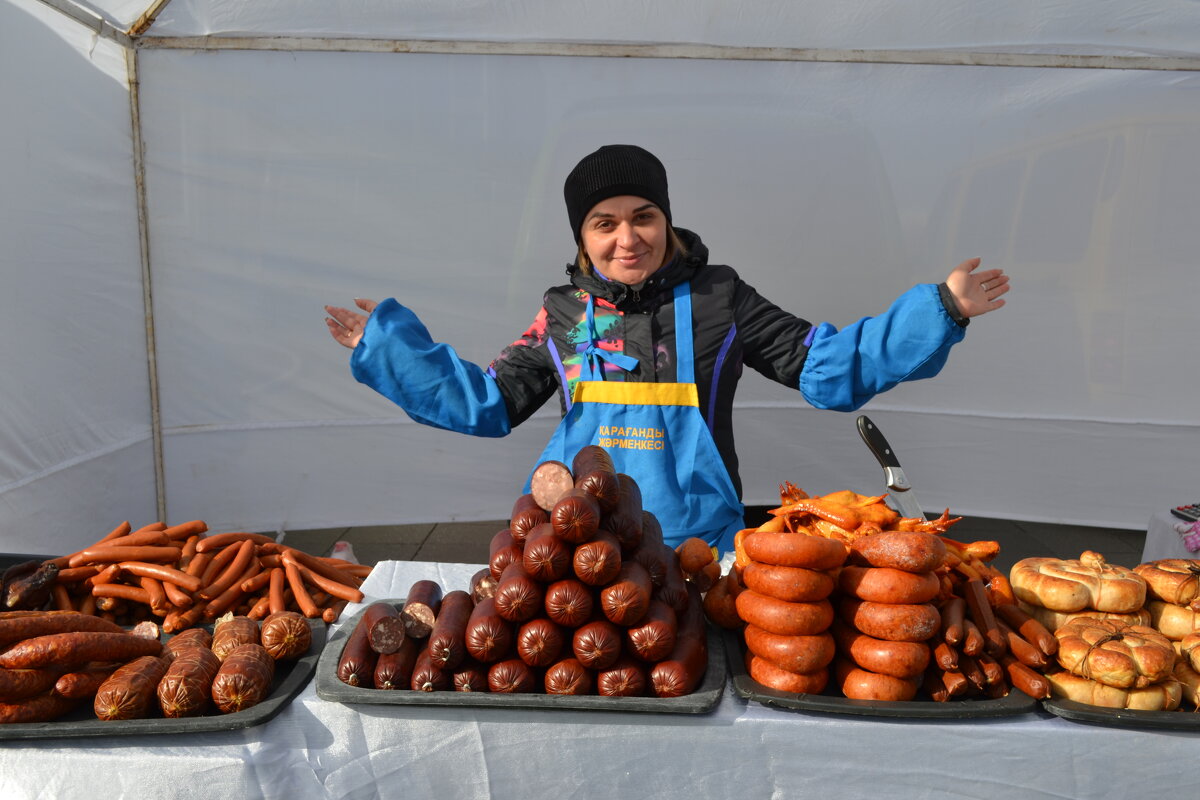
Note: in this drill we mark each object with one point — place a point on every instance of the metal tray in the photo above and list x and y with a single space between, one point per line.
702 700
290 678
1015 703
1123 717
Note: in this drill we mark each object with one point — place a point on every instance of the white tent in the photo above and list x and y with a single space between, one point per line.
186 183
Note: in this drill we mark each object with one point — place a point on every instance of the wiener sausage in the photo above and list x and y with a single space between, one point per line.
597 562
793 584
549 481
286 635
1024 678
185 688
244 679
793 653
888 585
653 638
421 608
859 684
895 622
1028 628
575 518
764 672
626 600
488 637
952 620
526 515
625 678
898 659
910 551
546 557
795 550
569 603
540 642
395 670
518 596
568 676
782 617
129 692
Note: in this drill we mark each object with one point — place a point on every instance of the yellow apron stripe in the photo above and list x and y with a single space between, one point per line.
636 394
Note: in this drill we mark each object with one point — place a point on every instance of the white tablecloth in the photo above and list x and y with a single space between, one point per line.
1162 540
320 749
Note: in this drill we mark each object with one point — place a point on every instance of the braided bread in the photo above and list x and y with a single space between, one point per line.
1074 585
1114 653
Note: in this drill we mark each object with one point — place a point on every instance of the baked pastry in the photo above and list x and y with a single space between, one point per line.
1088 582
1113 653
1053 620
1172 621
1189 649
1163 696
1172 580
1189 678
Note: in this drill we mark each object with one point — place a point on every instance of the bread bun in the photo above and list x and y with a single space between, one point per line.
1172 621
1172 580
1053 620
1088 582
1189 678
1113 653
1164 696
1189 650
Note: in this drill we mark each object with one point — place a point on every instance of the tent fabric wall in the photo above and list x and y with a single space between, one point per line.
278 181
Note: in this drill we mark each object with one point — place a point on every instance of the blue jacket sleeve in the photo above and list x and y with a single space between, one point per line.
397 358
911 340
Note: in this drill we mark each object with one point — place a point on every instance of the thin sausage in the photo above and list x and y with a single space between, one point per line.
219 540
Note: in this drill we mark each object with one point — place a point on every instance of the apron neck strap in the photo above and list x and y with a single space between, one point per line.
684 357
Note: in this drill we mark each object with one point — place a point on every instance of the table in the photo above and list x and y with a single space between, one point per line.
1162 540
319 749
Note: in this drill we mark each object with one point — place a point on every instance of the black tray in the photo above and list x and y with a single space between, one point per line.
702 700
1016 702
290 678
1123 717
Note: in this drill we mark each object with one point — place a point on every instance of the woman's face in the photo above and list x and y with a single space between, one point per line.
625 238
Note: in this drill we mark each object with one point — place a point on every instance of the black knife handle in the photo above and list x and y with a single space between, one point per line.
877 443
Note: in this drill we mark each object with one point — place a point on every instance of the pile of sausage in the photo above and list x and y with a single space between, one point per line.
183 576
580 596
55 661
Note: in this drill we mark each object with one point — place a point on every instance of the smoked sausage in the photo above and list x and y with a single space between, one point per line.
230 633
625 678
597 644
394 670
793 653
782 617
653 638
794 550
546 557
420 608
859 684
568 676
910 551
488 637
356 664
425 676
511 676
771 676
185 688
898 659
518 596
598 561
626 521
73 648
681 671
244 679
895 622
626 600
286 635
129 692
447 641
575 518
793 584
540 642
526 515
569 603
888 585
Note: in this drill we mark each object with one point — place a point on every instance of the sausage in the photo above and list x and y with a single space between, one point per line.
888 585
342 586
73 648
228 634
952 620
568 676
1028 628
652 532
483 584
794 584
708 575
546 557
31 590
673 591
575 518
42 708
220 540
421 607
447 640
795 550
185 688
511 676
764 672
15 629
471 676
693 554
233 596
793 653
232 572
425 676
627 520
385 628
720 603
540 642
488 637
653 638
502 551
945 656
526 515
910 551
119 591
129 693
898 659
597 562
993 672
625 678
395 670
782 617
549 481
1025 652
569 603
595 473
113 555
84 683
356 664
192 637
859 684
185 530
597 644
518 596
17 684
895 622
286 635
244 679
651 555
973 642
141 538
680 672
1024 678
158 598
626 600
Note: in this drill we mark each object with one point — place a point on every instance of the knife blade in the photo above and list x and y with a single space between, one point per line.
897 482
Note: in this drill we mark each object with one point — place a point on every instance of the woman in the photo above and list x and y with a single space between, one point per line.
645 347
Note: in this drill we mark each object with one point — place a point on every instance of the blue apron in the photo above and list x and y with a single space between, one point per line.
656 434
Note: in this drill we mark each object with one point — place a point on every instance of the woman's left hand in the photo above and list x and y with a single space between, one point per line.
977 292
346 326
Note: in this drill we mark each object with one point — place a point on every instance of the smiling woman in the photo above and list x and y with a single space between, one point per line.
649 339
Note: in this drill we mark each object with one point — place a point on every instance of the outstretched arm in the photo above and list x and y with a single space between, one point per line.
977 292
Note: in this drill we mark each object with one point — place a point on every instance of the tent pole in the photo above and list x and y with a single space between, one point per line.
139 179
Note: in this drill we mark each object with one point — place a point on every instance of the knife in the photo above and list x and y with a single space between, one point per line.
897 481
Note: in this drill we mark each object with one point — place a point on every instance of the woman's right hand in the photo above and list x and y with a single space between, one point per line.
346 326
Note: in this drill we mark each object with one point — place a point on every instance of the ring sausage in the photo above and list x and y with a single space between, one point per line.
794 550
859 684
771 676
888 585
898 659
895 622
793 653
782 617
794 584
911 551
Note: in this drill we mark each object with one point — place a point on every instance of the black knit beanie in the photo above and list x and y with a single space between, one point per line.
614 170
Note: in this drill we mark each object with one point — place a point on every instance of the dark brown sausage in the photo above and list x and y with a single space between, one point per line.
627 520
681 672
597 644
568 676
244 679
651 555
386 629
426 677
540 642
674 590
652 532
594 473
447 641
483 584
488 637
129 692
471 676
286 635
569 603
420 609
598 561
186 687
66 650
626 600
356 664
394 670
653 638
575 518
546 557
518 596
502 551
550 481
511 676
526 515
783 617
84 683
625 678
231 633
